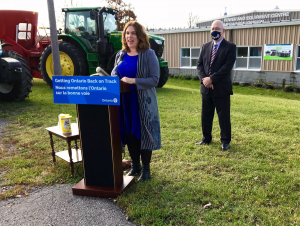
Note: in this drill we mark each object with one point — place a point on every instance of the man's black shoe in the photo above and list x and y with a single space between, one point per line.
202 142
225 147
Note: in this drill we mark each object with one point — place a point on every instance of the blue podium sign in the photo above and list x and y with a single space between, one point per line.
86 90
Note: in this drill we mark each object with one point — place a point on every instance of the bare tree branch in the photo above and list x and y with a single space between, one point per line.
192 19
60 18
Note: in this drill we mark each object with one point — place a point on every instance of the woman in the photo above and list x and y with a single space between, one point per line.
136 64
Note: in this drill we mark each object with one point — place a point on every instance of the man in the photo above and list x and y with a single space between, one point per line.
214 66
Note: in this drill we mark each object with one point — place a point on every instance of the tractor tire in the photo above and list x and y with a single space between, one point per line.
16 91
72 61
163 78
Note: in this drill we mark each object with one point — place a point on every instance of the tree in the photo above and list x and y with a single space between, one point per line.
146 28
192 19
126 12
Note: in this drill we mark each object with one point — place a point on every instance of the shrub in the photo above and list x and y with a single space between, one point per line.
290 88
182 77
268 85
297 90
188 77
176 76
235 83
257 84
245 83
195 77
171 76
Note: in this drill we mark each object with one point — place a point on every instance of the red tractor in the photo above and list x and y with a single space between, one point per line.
19 53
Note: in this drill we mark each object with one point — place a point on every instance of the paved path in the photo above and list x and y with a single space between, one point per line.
57 206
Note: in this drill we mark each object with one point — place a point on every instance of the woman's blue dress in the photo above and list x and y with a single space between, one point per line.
129 107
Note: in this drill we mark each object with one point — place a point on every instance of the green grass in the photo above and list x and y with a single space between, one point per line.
268 57
257 182
29 162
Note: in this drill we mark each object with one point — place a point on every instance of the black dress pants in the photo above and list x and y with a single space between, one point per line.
222 105
135 151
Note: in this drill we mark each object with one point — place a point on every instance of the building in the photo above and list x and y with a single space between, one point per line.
268 46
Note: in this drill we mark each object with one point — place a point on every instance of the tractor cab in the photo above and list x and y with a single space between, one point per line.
91 39
85 24
80 25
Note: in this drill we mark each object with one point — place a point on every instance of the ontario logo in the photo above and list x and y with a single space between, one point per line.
115 100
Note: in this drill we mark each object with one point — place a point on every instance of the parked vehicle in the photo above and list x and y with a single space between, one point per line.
90 40
20 54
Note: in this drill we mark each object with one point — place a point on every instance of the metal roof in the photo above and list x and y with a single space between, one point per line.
228 27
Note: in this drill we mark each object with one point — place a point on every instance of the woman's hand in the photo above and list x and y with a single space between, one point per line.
128 80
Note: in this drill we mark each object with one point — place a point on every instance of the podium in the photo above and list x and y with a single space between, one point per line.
100 139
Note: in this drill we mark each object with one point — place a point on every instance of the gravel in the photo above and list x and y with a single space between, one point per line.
57 205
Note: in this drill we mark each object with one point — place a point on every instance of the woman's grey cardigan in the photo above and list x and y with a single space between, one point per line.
147 78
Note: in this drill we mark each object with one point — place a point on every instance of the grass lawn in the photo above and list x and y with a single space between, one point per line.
256 182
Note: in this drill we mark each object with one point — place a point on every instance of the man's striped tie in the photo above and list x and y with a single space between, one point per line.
212 58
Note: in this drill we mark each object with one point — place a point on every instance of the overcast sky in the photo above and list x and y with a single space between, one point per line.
161 13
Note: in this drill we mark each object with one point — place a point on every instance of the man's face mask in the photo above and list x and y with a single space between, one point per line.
215 35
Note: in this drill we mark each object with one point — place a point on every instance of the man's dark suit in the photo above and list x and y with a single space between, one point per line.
219 97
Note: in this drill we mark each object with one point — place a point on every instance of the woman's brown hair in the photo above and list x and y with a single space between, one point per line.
143 38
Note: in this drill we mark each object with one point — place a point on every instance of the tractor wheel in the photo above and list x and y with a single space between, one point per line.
72 62
16 91
163 78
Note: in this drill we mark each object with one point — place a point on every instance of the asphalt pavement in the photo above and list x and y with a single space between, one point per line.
57 206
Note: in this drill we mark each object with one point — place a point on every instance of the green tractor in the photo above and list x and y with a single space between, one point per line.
91 39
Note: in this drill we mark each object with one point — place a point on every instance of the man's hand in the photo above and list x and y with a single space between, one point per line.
207 82
211 86
128 80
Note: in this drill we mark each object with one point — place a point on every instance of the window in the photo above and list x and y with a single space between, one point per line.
298 58
110 24
75 23
79 24
23 27
24 31
248 57
189 56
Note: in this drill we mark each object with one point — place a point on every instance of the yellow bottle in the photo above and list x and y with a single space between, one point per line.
65 123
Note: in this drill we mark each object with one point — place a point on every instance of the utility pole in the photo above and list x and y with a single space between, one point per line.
54 39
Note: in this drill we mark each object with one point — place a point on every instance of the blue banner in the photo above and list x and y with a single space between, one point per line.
86 90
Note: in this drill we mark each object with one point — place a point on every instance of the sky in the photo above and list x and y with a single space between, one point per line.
160 13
